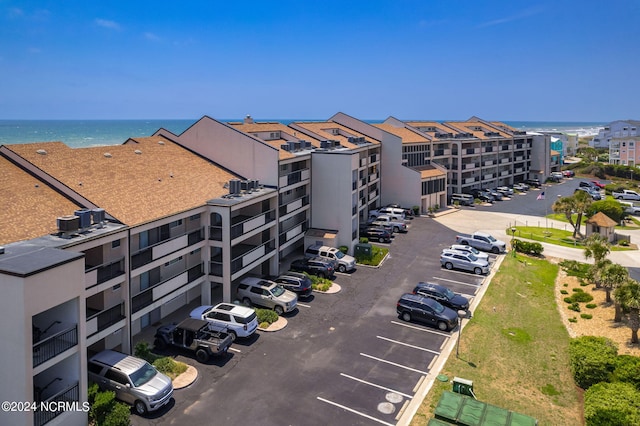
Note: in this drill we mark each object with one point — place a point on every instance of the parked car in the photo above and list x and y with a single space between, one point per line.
505 190
630 208
343 262
413 307
568 173
482 241
522 187
235 320
322 268
262 292
397 225
376 233
468 249
133 380
442 295
598 184
587 184
193 335
533 182
296 282
626 194
497 195
595 194
453 259
482 195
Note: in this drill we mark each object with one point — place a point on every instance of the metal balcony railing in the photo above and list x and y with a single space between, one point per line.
45 349
145 298
54 403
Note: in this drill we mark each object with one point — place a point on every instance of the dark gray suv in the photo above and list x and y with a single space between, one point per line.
413 307
442 295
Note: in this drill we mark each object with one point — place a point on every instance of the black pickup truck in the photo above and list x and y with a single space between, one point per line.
193 335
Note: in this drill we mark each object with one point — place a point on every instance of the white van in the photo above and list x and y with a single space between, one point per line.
462 199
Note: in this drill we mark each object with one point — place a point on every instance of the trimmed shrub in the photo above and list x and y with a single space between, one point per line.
105 410
612 404
266 316
568 300
364 240
564 292
344 249
593 359
591 305
527 247
627 370
575 306
169 366
577 290
586 316
574 319
582 297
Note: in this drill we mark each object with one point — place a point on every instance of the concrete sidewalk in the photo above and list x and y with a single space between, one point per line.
468 221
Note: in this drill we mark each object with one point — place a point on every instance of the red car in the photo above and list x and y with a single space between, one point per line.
568 173
598 184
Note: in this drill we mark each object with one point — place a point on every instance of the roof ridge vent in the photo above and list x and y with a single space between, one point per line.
41 151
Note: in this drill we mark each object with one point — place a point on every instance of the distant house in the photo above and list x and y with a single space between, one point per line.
601 224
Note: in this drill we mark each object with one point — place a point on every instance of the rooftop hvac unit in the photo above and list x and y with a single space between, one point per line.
68 224
85 218
234 186
292 146
98 217
306 144
285 146
351 139
325 144
244 185
297 146
255 184
361 139
335 144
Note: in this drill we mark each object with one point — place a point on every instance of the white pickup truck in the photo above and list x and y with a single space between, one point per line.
626 194
388 222
630 208
482 241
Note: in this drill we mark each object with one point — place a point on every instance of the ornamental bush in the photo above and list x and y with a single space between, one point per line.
527 247
266 316
612 404
627 370
593 359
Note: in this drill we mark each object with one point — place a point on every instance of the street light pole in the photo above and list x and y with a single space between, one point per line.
513 236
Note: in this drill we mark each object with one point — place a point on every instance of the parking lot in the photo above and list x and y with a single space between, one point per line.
343 358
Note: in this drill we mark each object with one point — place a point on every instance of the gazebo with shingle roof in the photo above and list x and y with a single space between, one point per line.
601 224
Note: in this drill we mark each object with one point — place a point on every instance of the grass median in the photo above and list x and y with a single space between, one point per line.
515 348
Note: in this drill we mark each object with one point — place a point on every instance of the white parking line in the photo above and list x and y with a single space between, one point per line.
376 386
354 411
303 305
456 282
408 345
393 363
426 330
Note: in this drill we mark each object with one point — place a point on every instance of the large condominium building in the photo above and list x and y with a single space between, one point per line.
101 243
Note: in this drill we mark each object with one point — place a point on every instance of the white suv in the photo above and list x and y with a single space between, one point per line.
259 291
235 320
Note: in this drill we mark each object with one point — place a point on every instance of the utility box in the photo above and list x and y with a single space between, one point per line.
362 250
463 386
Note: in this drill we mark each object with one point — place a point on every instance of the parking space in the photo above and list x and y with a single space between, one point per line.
343 358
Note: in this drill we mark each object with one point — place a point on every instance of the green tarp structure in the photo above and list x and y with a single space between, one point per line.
457 409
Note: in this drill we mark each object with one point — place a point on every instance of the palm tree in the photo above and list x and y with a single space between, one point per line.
628 294
577 203
597 247
611 277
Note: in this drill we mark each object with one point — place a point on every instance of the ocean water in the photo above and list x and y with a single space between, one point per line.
86 133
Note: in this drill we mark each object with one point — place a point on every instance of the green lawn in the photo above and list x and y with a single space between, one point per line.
515 348
556 236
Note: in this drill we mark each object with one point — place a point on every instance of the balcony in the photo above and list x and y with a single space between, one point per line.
294 231
373 194
241 225
293 205
470 166
54 345
243 255
100 320
293 177
162 288
98 274
374 158
374 176
70 394
162 248
363 162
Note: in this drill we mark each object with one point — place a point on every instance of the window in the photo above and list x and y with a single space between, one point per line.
115 244
173 261
116 287
116 377
194 217
175 223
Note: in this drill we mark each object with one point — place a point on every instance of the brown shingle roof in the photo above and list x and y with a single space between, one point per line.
407 135
253 128
602 220
142 180
323 129
29 206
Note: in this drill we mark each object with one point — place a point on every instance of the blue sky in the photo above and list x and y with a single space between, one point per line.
510 60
